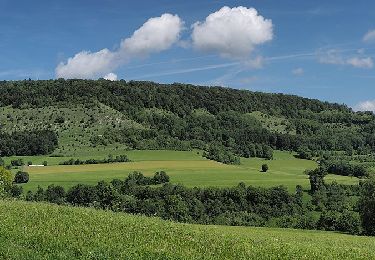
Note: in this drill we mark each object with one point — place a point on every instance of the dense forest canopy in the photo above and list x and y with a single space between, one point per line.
28 143
177 98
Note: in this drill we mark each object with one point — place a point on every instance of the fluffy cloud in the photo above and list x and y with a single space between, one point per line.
155 35
86 65
336 57
365 63
369 36
111 76
368 105
232 32
297 71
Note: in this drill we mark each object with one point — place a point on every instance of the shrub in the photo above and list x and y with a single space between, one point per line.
219 153
350 222
264 167
21 177
82 195
18 162
55 194
39 194
6 180
161 177
329 220
15 191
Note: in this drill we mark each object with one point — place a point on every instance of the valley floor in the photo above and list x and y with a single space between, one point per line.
186 167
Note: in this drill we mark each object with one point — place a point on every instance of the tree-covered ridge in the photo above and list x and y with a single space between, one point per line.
177 98
147 115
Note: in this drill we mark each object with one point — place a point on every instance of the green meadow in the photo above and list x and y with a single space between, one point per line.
45 231
185 167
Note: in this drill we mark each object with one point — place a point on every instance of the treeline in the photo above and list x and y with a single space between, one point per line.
38 142
240 205
137 178
339 204
218 153
110 159
237 206
345 168
333 207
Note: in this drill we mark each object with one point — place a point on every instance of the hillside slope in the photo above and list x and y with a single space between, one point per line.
43 231
147 115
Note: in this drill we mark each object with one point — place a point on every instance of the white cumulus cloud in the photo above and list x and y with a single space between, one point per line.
155 35
111 76
369 36
86 64
232 32
368 105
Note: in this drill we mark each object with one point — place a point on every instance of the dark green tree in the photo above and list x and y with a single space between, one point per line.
264 167
367 206
21 177
316 178
55 194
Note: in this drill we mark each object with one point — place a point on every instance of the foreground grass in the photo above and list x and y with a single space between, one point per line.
43 231
186 167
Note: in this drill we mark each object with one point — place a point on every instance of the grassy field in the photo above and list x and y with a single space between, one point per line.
185 167
43 231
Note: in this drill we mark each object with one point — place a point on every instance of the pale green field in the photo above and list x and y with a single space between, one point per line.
101 152
186 167
43 231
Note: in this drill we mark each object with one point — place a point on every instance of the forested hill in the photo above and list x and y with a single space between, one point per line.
145 115
177 98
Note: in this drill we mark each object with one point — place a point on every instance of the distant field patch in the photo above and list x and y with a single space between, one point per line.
185 167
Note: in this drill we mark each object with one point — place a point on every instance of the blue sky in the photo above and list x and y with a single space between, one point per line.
316 49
